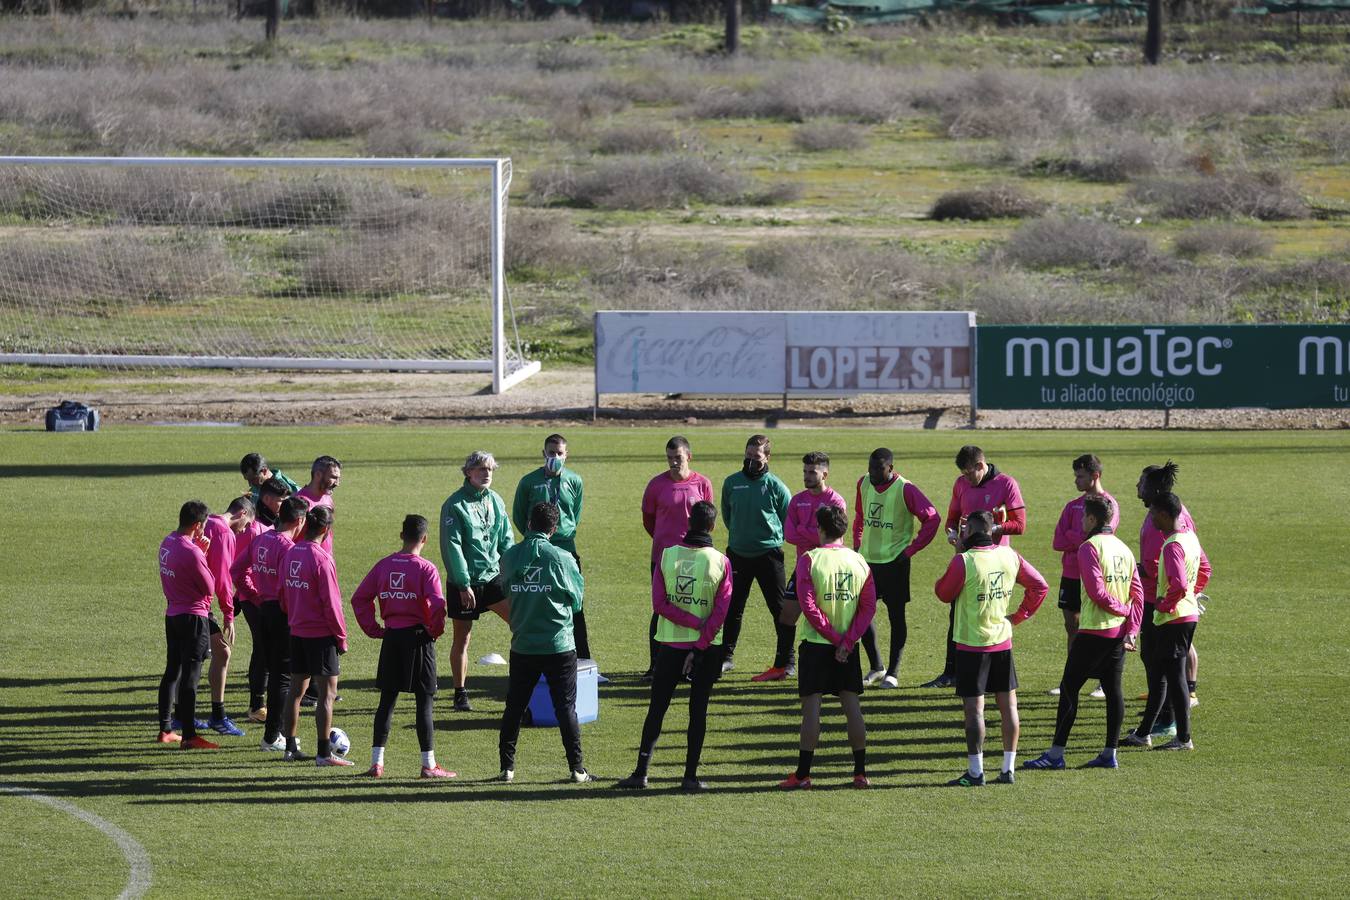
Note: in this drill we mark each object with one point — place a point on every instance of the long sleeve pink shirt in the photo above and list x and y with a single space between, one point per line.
1150 547
806 597
185 577
707 628
1094 585
243 543
261 581
665 508
1035 589
1001 490
310 594
314 498
408 589
1174 570
219 557
918 505
799 527
1069 531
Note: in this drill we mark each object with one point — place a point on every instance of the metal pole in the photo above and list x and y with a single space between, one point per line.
974 376
498 278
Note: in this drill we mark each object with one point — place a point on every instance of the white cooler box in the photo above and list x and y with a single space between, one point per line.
588 697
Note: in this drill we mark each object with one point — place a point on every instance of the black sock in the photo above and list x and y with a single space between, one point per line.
461 692
323 747
292 746
804 758
1190 686
644 760
256 701
860 761
217 711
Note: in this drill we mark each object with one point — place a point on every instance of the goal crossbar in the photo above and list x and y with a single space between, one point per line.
507 369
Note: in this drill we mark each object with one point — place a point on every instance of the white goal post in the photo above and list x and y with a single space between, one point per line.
282 263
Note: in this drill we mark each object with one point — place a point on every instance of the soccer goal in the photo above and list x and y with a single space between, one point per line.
206 262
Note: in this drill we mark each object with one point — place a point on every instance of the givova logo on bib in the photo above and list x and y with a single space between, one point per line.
843 586
685 577
996 589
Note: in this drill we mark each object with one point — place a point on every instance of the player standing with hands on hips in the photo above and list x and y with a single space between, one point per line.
475 531
979 585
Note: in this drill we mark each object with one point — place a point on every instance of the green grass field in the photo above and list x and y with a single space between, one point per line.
1258 810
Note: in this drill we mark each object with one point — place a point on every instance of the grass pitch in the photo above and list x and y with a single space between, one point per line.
1258 810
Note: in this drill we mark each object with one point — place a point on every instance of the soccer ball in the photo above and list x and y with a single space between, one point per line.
339 742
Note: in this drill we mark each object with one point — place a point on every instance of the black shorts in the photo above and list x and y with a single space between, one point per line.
891 580
818 672
790 589
314 657
407 661
486 595
978 674
212 625
1071 594
188 637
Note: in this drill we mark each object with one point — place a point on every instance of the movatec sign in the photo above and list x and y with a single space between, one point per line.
782 352
1162 366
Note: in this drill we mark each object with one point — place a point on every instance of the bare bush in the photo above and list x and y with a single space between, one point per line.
633 139
1109 156
1264 195
818 87
649 182
394 262
542 243
999 201
1222 240
567 58
1067 242
815 137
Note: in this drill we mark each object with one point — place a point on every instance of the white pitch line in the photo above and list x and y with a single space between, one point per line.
138 882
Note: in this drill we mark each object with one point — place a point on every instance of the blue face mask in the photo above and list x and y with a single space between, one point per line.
553 464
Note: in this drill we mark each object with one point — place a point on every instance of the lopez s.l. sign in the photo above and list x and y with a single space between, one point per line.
1163 366
782 352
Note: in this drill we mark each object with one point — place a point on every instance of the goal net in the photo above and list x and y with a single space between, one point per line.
376 264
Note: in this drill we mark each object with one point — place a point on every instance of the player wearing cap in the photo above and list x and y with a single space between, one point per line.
222 532
980 486
475 531
754 505
691 593
1069 536
259 581
1106 625
838 599
665 516
412 605
555 483
886 510
979 585
545 587
1183 571
188 585
313 606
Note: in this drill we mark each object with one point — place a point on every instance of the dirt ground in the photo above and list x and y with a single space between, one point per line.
556 395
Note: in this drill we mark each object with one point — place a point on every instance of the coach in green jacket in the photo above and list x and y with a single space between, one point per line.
554 483
474 533
545 588
754 505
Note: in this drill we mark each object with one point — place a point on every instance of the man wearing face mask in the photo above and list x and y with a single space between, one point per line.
754 505
554 483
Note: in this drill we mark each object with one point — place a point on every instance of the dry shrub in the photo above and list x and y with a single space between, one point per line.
998 201
540 243
634 139
1109 156
801 91
567 58
1222 240
1263 195
90 273
406 260
1070 242
650 182
815 137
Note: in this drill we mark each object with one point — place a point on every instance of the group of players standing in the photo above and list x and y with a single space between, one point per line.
272 552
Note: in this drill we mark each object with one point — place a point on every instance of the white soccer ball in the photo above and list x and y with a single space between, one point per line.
339 742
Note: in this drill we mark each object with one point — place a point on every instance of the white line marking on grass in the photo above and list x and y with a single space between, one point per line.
138 882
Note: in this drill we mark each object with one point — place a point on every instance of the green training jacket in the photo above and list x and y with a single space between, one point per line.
564 491
753 510
545 588
474 533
